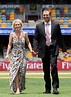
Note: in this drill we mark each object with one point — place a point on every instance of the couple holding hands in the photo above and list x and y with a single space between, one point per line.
46 48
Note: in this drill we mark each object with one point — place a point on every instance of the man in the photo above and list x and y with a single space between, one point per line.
46 42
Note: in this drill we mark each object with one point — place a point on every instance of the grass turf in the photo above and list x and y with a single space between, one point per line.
35 88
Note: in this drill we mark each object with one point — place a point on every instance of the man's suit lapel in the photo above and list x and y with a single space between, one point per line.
52 26
43 26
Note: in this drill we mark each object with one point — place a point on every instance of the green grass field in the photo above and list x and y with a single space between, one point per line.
35 85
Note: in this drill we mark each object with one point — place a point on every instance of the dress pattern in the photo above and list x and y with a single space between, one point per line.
18 63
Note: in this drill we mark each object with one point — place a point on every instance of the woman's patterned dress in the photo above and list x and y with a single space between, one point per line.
18 63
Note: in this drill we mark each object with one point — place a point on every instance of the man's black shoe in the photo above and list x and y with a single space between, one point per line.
55 91
47 92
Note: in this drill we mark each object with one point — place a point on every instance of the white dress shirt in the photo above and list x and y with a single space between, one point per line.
49 28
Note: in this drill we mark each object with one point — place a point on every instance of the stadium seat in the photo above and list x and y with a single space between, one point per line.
21 9
69 25
8 25
31 23
0 24
57 20
65 25
53 18
0 21
69 21
58 13
65 11
38 21
57 8
50 8
3 11
61 21
66 8
17 10
7 17
25 24
65 20
3 25
61 25
62 13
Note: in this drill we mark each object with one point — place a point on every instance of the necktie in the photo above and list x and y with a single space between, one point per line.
47 35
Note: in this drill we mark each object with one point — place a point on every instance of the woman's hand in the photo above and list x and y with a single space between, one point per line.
7 57
34 54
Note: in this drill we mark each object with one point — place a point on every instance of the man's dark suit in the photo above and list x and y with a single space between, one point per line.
49 54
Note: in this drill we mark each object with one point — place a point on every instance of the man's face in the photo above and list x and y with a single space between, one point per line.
46 15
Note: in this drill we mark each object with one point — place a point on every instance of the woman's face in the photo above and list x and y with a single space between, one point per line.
17 26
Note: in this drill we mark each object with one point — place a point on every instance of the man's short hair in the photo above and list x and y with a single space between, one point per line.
46 9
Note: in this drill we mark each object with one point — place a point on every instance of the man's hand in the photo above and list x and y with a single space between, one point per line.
35 54
65 53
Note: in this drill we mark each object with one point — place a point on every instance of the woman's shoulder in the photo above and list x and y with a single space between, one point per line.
12 34
24 33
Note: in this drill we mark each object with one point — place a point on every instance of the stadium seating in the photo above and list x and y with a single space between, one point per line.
61 14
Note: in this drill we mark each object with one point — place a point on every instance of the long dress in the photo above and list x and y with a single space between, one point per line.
18 63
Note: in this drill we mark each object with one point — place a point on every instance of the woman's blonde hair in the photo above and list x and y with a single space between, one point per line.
17 20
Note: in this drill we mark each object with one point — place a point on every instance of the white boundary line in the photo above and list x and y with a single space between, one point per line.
37 73
43 73
30 77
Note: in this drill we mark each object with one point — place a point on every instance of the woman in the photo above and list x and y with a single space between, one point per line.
17 60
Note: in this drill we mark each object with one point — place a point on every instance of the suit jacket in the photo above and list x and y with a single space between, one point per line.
39 39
